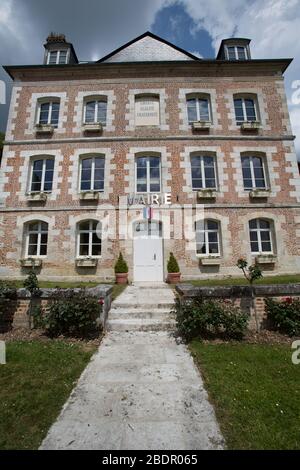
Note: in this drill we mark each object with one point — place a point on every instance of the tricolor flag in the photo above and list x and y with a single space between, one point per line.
148 213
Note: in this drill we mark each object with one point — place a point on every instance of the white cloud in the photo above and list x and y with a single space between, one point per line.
197 54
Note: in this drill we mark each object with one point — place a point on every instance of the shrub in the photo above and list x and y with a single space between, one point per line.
121 265
31 283
209 318
7 293
285 315
173 266
72 313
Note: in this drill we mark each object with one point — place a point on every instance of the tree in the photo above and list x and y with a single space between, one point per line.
252 273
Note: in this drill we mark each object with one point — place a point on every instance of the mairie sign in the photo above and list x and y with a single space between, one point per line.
149 199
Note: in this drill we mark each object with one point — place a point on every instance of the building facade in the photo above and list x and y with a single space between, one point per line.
146 151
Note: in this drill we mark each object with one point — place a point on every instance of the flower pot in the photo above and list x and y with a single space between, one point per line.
121 278
173 278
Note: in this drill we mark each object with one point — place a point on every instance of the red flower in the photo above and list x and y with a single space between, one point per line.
101 301
288 300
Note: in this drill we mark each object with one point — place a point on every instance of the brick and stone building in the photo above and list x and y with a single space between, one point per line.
90 147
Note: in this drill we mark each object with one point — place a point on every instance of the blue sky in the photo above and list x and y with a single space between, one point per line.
96 27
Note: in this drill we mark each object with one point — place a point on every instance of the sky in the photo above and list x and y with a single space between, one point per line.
97 27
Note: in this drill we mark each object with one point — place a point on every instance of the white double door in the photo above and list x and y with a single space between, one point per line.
147 255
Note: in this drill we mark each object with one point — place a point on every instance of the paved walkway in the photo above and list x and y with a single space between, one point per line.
140 391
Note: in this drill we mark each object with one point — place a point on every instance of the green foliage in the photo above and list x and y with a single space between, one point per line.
285 315
31 283
173 266
7 293
252 273
71 313
197 317
121 265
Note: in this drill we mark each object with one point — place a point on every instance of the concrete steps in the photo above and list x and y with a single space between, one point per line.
142 308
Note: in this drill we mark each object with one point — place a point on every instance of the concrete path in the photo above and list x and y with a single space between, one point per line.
140 391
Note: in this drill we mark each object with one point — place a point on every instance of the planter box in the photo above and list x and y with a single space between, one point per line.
210 261
92 127
259 193
250 126
201 125
86 262
207 194
173 278
31 262
44 129
266 259
121 278
89 195
33 197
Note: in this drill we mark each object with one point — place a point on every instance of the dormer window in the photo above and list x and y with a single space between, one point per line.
237 53
57 57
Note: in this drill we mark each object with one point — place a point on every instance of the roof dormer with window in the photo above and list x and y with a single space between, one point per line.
58 51
234 49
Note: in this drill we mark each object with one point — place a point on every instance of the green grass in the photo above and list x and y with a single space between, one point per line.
34 385
256 393
235 281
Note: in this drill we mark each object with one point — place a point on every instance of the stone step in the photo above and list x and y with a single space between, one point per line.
137 324
145 305
123 313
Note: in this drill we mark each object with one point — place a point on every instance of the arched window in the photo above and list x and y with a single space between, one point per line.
198 108
95 110
261 236
92 173
89 239
147 110
246 108
208 237
48 112
148 174
36 242
254 171
41 174
203 169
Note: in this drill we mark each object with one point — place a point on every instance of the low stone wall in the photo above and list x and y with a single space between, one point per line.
16 313
241 296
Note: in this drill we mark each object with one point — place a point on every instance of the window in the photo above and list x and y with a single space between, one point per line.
203 172
92 173
36 239
260 236
147 110
95 111
207 237
198 109
148 174
57 57
253 172
237 53
89 238
245 110
42 175
48 113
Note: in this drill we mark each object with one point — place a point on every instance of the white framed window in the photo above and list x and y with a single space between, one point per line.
95 110
246 109
48 112
147 110
208 237
254 172
41 175
57 57
89 239
203 169
237 53
198 108
148 174
260 236
36 239
92 173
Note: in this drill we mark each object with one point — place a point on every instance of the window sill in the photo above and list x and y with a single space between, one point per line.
266 259
89 195
201 125
207 194
86 262
44 129
36 197
31 262
250 126
209 261
93 127
259 193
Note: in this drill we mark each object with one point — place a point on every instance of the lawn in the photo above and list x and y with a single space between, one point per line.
255 390
34 385
236 281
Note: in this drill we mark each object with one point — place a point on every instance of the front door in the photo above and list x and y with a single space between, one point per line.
147 252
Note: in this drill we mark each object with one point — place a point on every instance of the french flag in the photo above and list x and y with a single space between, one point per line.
148 213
